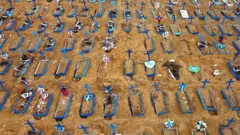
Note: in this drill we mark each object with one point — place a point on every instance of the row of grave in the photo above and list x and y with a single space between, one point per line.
158 99
170 128
88 101
78 25
110 41
82 67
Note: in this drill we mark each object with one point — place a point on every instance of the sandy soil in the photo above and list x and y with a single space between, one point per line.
185 53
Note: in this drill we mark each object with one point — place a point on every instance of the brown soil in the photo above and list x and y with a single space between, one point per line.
13 41
62 66
129 66
192 28
150 70
58 133
215 29
41 66
148 44
68 42
159 102
109 108
175 27
210 30
86 106
136 104
170 132
70 10
233 97
167 44
2 94
207 98
199 133
206 50
62 104
81 67
227 131
33 42
184 100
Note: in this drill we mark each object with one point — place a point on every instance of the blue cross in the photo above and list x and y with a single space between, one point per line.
26 14
92 17
169 124
206 19
204 83
30 124
1 84
59 127
17 32
84 128
229 83
62 86
191 19
34 33
111 15
127 3
184 5
76 17
131 87
236 54
42 54
40 17
47 35
34 2
174 18
148 54
223 20
84 3
229 122
129 51
10 2
113 127
86 87
156 85
201 37
113 3
182 86
146 32
109 33
108 89
142 5
86 33
82 54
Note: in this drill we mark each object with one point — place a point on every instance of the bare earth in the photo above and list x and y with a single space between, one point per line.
150 123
